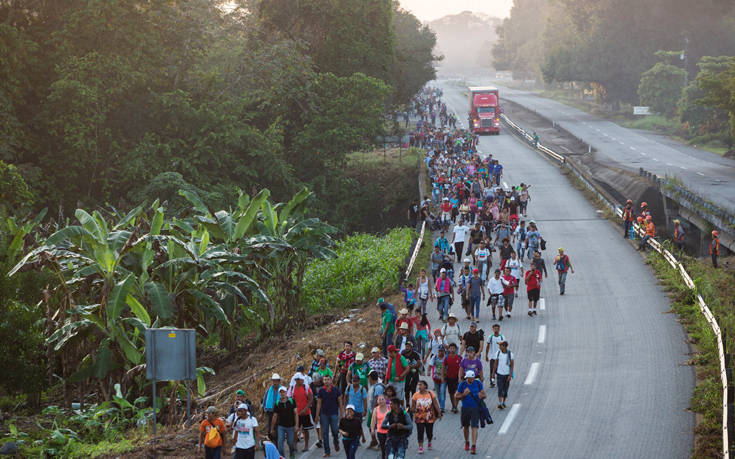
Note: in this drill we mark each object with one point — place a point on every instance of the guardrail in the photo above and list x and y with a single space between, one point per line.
668 256
416 250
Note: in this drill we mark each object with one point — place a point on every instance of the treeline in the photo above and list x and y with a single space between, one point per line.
121 101
657 52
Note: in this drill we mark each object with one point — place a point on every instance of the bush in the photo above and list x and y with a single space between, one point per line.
365 266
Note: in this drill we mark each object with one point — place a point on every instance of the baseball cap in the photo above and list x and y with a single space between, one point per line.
300 369
298 376
275 376
443 270
470 348
441 348
467 260
319 352
375 349
243 406
211 409
437 330
561 249
403 311
476 271
350 407
451 316
359 356
381 300
469 374
283 388
404 326
408 343
392 348
473 324
240 392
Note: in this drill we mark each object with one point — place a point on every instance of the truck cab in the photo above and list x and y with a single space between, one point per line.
484 112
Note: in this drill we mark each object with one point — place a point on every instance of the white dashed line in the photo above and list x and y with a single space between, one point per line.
644 154
682 167
632 148
541 334
505 185
621 143
597 129
605 134
509 420
613 139
655 159
669 164
542 304
699 173
531 374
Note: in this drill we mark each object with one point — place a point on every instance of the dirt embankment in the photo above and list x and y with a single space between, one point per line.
251 369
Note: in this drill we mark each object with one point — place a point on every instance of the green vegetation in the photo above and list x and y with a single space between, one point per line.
601 48
715 286
657 123
366 266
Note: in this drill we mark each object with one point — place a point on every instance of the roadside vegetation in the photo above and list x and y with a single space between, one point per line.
187 164
593 56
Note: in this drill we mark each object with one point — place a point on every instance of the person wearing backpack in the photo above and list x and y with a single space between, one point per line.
212 434
285 422
246 436
399 426
563 265
470 392
503 372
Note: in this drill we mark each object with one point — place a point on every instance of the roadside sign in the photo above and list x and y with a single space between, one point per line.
641 110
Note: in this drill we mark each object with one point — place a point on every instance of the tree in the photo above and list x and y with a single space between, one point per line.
719 90
661 87
697 118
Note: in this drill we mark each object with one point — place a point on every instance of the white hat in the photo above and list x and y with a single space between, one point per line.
375 349
451 316
442 270
275 376
243 406
298 375
404 326
283 388
469 374
350 407
403 311
467 260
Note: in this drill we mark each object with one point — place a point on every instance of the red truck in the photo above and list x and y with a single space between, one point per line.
485 110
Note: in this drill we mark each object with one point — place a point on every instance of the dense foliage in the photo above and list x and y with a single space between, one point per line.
104 102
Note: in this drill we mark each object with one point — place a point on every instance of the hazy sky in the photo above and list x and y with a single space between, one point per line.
428 10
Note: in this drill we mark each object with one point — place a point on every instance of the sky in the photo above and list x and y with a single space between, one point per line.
428 10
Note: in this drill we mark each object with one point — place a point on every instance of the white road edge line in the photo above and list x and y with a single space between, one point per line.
541 334
509 420
542 304
531 374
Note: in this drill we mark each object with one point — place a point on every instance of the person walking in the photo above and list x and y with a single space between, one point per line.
269 403
444 292
376 423
475 291
491 350
714 247
426 411
328 410
470 392
459 234
509 287
533 289
387 327
424 291
495 287
304 398
414 363
397 370
285 422
503 372
350 427
438 375
399 426
212 434
356 395
563 265
246 434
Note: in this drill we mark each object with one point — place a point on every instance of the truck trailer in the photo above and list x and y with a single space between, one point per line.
484 114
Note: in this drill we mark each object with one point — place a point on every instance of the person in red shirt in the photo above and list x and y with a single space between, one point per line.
304 397
344 360
451 372
533 289
404 318
509 290
446 208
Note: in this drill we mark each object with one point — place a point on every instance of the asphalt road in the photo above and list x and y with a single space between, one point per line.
708 174
609 378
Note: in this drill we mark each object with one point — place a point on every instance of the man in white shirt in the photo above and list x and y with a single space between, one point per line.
495 286
458 237
492 348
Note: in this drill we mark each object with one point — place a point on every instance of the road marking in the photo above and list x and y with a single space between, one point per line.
614 139
531 374
597 129
605 134
655 159
669 164
644 154
699 173
632 148
621 143
509 420
541 334
542 304
505 185
682 167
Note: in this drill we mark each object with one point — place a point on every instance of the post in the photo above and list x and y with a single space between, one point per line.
154 407
188 404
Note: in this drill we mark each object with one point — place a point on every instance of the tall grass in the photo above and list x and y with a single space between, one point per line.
365 266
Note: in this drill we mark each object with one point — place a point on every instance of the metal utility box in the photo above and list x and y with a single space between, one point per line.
170 354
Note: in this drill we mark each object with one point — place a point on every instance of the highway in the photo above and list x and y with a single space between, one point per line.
609 378
708 174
